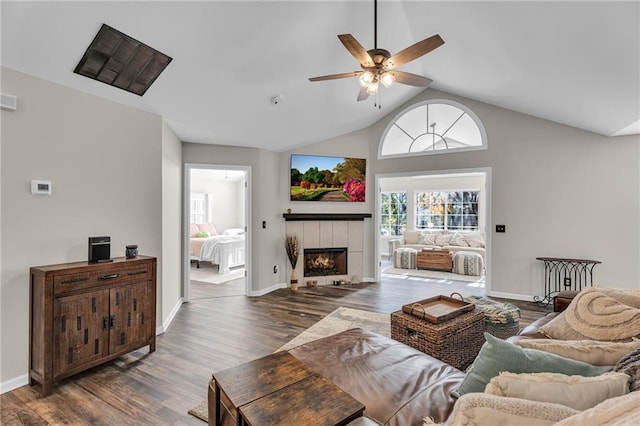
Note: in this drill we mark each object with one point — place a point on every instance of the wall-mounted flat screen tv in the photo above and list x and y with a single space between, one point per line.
320 178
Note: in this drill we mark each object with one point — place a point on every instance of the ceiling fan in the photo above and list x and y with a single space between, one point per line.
378 65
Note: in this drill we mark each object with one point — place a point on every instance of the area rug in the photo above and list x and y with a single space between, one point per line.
339 320
207 273
435 275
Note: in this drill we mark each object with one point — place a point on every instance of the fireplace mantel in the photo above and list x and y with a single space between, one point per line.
325 216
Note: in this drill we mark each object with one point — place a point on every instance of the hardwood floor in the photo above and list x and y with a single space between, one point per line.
207 335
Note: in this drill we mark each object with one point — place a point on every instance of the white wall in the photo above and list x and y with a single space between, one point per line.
171 261
228 197
104 161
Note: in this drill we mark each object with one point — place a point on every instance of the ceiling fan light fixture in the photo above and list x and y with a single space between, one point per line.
387 79
372 89
365 79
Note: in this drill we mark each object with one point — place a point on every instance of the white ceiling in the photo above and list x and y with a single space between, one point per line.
575 62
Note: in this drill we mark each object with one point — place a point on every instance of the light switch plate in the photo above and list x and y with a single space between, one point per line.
41 187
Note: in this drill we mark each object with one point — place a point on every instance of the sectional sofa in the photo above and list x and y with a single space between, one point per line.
453 241
401 386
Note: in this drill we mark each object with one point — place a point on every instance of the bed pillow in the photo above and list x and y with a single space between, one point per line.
208 227
497 356
193 230
577 392
202 234
591 351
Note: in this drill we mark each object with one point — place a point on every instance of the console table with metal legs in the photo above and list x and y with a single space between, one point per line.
563 275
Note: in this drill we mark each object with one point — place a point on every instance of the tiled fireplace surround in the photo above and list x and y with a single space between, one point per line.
328 234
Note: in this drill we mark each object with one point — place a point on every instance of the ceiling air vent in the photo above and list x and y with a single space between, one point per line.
116 59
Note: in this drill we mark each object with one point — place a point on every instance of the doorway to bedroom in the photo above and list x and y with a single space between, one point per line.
216 216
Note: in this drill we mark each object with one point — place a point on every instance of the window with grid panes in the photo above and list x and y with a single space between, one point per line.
454 210
393 213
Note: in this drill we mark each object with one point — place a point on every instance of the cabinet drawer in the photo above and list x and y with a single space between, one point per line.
85 280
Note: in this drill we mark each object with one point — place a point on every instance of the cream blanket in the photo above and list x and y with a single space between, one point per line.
605 314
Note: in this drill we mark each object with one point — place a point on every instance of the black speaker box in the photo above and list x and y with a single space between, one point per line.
99 249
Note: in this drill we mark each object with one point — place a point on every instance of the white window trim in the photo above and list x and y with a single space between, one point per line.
474 117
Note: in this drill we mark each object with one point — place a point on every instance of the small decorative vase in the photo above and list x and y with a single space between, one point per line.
131 251
294 280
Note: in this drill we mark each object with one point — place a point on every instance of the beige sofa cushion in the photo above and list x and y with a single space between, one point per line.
590 351
577 392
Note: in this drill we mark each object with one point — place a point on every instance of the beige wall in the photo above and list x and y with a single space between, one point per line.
171 261
267 245
105 163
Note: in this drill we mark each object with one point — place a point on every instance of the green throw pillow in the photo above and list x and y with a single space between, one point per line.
497 356
202 234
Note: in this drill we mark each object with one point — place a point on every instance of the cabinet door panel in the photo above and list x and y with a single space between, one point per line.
80 332
130 317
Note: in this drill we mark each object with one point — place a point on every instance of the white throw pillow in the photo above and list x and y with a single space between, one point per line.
411 237
443 238
577 392
459 240
591 351
485 409
623 410
474 239
427 239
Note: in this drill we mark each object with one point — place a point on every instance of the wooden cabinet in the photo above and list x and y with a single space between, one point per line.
84 314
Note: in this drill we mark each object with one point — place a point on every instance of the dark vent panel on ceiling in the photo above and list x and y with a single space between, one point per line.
116 59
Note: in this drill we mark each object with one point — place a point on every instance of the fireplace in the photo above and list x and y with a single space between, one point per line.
325 261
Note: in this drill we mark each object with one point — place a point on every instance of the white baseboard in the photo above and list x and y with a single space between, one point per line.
256 293
14 383
513 296
165 325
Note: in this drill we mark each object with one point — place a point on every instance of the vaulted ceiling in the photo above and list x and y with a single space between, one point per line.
576 63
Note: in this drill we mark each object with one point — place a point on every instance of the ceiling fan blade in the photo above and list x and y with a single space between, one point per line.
410 79
356 49
414 51
363 94
336 76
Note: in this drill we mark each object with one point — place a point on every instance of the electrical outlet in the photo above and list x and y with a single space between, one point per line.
501 228
275 269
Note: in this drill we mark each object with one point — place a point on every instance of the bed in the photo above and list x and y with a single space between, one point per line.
226 250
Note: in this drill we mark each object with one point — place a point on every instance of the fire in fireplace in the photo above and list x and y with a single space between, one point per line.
325 261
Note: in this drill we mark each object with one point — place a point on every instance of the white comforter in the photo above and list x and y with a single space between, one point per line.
222 250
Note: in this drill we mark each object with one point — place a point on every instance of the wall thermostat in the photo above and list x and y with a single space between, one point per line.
41 187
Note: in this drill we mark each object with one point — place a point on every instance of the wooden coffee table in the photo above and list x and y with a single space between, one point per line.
280 389
439 260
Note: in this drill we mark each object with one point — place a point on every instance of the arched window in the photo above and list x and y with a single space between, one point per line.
433 127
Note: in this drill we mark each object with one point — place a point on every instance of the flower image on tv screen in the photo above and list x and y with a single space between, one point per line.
320 178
